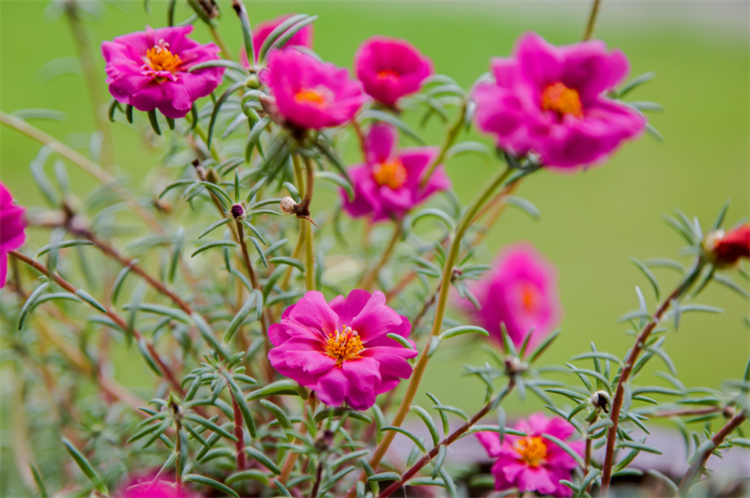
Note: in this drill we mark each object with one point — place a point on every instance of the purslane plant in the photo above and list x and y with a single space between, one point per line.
277 344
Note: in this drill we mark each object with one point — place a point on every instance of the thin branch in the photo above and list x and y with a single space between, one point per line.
369 279
450 137
627 369
84 163
446 442
111 314
591 25
700 462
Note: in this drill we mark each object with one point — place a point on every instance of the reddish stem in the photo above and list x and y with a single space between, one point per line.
239 433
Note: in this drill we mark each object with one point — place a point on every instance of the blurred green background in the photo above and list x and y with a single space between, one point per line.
592 222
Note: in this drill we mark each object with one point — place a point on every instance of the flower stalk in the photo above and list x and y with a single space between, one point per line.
700 462
448 140
369 279
411 390
627 368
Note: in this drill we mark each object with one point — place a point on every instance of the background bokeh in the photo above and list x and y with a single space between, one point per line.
592 222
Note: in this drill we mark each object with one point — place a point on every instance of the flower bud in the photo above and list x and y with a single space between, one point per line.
212 176
272 109
238 211
600 399
726 249
287 205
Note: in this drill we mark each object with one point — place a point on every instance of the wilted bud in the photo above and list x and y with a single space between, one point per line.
200 171
729 411
238 211
726 249
514 366
212 176
600 399
272 110
287 205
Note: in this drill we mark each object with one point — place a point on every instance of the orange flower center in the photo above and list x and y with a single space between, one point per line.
343 346
530 298
533 451
387 74
310 96
161 59
391 173
561 99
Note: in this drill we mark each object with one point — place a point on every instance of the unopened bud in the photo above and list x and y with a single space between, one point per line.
600 399
513 366
252 81
238 211
211 176
287 205
729 411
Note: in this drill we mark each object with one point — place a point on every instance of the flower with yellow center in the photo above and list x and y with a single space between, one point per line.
563 100
311 96
161 59
387 74
532 450
344 346
391 172
530 298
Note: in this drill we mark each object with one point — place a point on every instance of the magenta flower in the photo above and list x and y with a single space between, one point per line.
148 488
149 70
388 184
520 291
340 349
302 38
550 100
310 93
533 463
390 68
12 226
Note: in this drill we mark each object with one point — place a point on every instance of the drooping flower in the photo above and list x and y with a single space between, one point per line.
521 292
533 463
302 38
149 70
726 249
312 94
388 185
390 68
12 226
550 100
340 349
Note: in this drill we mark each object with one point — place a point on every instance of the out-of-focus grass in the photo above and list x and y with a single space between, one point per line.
591 222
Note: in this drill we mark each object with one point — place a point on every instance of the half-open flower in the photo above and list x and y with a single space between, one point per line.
302 38
311 94
149 70
551 101
520 292
726 249
388 185
12 229
533 463
341 349
390 68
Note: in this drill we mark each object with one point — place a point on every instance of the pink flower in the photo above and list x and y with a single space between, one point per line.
310 93
340 349
148 488
520 291
533 463
390 68
149 70
726 249
12 226
551 101
302 38
388 185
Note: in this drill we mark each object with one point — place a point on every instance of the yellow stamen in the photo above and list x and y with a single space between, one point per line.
388 74
343 346
533 451
310 96
530 298
161 59
563 100
391 173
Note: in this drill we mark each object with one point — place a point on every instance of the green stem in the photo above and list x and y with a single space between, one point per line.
448 139
445 285
225 53
93 83
591 25
370 278
309 248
